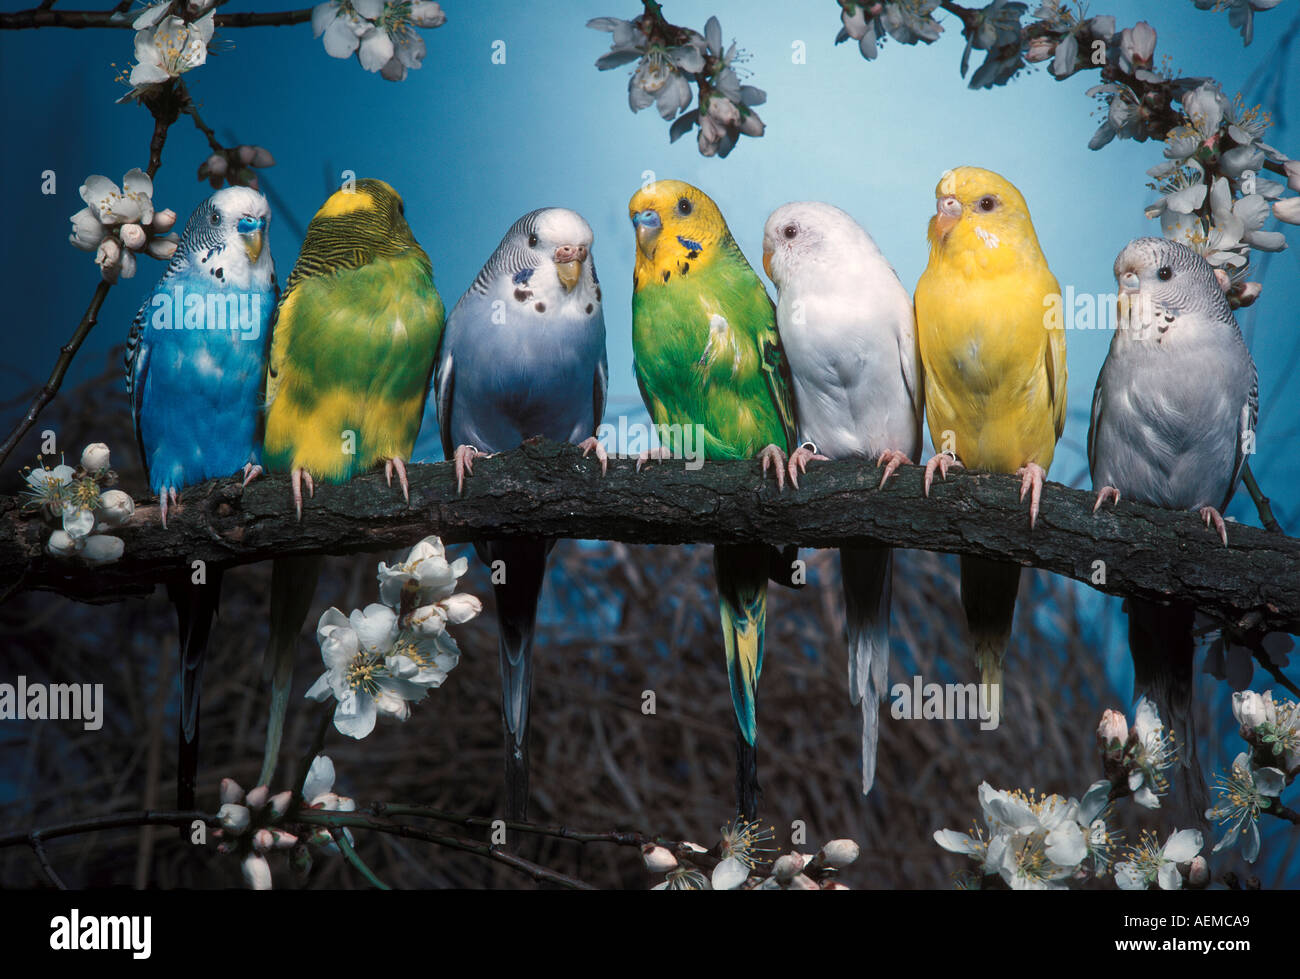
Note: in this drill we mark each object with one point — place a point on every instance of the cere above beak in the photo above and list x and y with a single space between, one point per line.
1129 283
253 231
647 226
568 264
948 212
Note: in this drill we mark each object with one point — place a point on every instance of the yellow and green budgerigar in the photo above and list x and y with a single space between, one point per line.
352 353
994 370
710 367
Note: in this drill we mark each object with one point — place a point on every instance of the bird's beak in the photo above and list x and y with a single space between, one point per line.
647 226
948 213
253 231
767 261
1129 284
568 264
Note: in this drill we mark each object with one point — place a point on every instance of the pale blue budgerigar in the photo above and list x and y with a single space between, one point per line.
195 364
849 334
523 355
1173 419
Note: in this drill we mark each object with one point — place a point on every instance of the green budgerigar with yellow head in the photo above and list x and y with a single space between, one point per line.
353 346
708 361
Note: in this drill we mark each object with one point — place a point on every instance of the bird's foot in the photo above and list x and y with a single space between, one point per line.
299 477
1031 481
799 459
592 444
774 457
397 465
660 454
251 471
1212 516
162 502
464 458
891 459
942 461
1104 494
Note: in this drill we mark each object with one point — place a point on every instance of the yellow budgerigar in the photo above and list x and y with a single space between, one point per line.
994 370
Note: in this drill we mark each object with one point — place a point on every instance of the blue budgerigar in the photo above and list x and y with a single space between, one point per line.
523 355
195 365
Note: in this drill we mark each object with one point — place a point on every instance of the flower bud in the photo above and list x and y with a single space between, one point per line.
257 872
1198 875
658 859
787 866
133 236
283 840
262 157
246 154
163 248
163 221
751 125
1112 732
280 803
460 608
257 797
427 13
1252 709
214 166
234 818
840 853
95 457
230 791
1040 49
102 549
263 840
62 544
109 258
802 882
115 507
1292 168
834 885
128 264
723 110
1287 210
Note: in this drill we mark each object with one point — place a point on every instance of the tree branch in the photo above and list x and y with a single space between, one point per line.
547 489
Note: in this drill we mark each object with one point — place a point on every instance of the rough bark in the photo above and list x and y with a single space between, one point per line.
546 488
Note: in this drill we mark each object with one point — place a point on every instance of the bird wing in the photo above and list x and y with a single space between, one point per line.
776 369
600 388
1246 423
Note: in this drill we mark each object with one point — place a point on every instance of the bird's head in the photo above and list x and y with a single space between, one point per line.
1163 278
547 252
234 222
980 211
675 223
369 215
804 238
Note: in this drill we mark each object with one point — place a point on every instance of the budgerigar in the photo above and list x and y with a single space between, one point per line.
849 334
994 371
708 359
1160 437
195 363
352 355
524 355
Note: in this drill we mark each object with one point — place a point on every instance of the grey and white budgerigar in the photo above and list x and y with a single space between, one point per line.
523 355
849 333
1173 419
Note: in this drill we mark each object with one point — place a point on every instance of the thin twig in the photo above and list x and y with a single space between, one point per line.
146 817
39 849
51 387
82 19
354 858
1261 501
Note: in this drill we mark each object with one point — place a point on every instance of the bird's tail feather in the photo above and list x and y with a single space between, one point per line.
988 594
866 574
1163 647
293 586
517 595
742 573
196 606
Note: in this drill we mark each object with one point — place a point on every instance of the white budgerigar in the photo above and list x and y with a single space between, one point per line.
849 333
1173 419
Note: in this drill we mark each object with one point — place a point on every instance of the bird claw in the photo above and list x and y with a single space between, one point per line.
653 455
464 458
891 459
1106 493
942 461
251 471
1031 481
396 464
772 456
300 476
592 444
799 459
1212 516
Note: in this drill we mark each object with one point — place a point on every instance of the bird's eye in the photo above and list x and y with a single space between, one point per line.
790 231
987 202
532 241
1165 273
215 219
684 207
